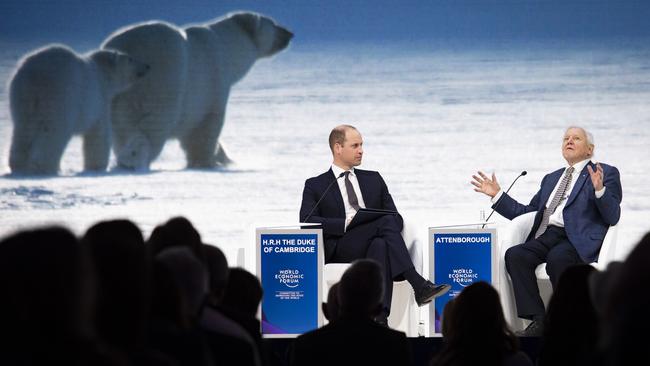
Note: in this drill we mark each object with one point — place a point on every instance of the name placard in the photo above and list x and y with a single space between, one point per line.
459 257
289 267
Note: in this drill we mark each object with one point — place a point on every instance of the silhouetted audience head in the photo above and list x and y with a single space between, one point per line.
446 318
476 329
189 273
178 231
41 270
332 308
601 285
243 292
625 325
124 282
218 272
46 300
361 289
571 324
355 338
170 309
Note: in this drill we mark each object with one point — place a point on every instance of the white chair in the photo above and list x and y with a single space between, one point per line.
236 256
404 312
515 233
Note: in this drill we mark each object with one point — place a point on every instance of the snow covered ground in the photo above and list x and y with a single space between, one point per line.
430 117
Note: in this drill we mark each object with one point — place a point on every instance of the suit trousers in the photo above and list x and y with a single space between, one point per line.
382 241
553 248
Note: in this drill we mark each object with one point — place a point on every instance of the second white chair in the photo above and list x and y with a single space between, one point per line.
515 233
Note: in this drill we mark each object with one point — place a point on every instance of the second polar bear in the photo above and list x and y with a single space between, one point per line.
185 94
55 94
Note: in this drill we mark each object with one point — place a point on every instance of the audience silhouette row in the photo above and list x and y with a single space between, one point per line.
113 298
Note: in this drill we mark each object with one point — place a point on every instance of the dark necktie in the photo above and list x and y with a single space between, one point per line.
352 197
559 195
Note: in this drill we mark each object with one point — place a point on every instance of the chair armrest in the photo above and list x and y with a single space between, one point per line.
512 233
333 271
516 231
414 244
607 252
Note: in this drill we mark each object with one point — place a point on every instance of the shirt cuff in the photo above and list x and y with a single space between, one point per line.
496 197
348 220
601 192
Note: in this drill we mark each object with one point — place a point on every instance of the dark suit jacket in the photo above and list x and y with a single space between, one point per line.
331 210
351 342
586 218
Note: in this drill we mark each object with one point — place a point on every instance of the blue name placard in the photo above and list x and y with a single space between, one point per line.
460 258
289 269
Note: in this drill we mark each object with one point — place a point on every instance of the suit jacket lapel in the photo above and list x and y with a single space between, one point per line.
337 193
582 178
362 179
548 189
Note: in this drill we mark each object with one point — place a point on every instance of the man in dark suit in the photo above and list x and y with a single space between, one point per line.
333 198
354 338
575 206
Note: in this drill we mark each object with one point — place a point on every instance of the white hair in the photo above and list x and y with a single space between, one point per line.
590 137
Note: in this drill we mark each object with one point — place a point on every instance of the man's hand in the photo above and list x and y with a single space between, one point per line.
596 176
486 185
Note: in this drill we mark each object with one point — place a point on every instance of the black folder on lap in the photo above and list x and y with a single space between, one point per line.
366 215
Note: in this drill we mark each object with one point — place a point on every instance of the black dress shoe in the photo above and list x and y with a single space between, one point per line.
429 291
534 329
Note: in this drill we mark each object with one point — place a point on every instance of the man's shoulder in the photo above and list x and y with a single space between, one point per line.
608 167
327 176
393 333
553 175
314 335
321 177
364 172
612 175
342 329
556 172
368 327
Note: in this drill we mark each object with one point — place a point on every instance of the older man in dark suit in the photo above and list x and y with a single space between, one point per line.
333 199
575 206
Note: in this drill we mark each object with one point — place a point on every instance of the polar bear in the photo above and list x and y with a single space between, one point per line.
184 95
55 94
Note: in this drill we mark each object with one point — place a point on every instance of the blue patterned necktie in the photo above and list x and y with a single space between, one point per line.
559 196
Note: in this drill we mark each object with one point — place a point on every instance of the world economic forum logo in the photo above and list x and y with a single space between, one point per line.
290 277
463 276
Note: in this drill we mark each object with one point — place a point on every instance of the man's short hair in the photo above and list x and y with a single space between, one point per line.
361 288
338 135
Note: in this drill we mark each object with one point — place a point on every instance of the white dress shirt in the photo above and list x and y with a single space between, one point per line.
349 210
